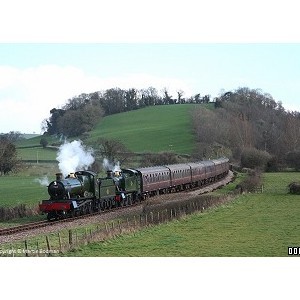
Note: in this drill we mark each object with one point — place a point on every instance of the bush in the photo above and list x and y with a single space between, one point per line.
19 211
43 142
255 159
293 159
294 188
251 183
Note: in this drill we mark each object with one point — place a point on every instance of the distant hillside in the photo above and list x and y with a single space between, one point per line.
29 135
151 129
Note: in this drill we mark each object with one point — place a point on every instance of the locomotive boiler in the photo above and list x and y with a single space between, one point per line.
71 195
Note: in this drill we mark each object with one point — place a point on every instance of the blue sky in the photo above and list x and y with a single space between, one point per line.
35 77
53 51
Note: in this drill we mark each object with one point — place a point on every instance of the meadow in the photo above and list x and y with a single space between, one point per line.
15 190
151 129
252 225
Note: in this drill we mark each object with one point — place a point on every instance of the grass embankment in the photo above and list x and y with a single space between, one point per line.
252 225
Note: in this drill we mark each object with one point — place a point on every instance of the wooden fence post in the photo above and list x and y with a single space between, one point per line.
86 234
113 226
37 248
48 245
26 248
106 228
60 244
70 239
119 225
76 238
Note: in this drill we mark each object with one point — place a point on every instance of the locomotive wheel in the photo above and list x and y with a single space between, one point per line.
89 208
52 216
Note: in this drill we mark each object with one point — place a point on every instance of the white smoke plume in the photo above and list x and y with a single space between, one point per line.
74 156
44 181
107 165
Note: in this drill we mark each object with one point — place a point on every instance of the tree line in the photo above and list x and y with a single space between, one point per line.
251 127
247 125
81 113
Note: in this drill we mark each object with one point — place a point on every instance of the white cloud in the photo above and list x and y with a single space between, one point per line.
28 95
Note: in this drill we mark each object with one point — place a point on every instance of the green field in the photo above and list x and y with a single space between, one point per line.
152 129
15 190
37 154
252 225
30 149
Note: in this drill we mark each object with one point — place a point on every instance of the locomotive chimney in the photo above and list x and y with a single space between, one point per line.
59 176
109 174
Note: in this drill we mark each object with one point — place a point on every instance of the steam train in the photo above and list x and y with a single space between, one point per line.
83 192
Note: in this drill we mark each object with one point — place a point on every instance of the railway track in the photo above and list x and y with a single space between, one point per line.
21 228
42 224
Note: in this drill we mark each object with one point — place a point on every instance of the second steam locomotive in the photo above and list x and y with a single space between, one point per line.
83 192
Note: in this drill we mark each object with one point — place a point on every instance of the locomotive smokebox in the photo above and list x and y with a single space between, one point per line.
109 174
59 176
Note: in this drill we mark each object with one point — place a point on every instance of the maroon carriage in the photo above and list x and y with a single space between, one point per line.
154 179
198 173
181 176
221 167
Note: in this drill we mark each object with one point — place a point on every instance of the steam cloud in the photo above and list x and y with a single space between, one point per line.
44 181
107 165
74 157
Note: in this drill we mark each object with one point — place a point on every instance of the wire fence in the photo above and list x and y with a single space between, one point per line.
60 243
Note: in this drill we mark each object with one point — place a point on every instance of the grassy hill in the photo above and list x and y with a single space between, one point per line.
151 129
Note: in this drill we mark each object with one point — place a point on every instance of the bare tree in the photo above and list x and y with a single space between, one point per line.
180 99
113 150
8 156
